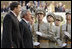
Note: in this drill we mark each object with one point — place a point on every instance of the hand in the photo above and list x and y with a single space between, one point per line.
39 33
36 43
67 34
59 42
64 44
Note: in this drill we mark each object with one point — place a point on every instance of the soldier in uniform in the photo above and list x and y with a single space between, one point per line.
66 28
50 19
58 31
41 29
32 22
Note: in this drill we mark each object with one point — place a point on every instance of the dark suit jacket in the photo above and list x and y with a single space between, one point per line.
26 33
11 32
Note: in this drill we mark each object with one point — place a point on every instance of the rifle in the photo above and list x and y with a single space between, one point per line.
38 30
38 37
66 40
61 32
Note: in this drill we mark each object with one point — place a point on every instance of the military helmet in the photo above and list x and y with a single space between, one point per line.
59 17
33 14
68 12
51 14
40 11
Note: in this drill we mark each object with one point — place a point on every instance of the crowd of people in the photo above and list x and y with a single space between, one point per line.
31 31
33 5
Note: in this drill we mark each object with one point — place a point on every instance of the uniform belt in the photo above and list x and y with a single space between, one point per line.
42 38
69 42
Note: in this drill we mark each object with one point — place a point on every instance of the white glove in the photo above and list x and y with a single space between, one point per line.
59 42
66 33
39 33
55 38
36 43
64 44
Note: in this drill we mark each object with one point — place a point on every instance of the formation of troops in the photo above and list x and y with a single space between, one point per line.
45 35
51 34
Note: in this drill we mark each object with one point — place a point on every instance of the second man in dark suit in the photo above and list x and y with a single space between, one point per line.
25 29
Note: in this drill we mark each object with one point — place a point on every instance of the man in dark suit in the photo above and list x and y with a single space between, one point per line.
25 29
11 37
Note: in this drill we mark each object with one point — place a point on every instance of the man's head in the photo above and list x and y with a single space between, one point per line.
16 7
58 20
26 14
60 4
4 6
50 17
23 3
68 15
40 14
53 2
33 19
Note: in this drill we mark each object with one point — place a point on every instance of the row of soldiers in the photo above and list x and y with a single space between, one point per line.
51 34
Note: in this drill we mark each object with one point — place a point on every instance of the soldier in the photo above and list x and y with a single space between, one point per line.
32 19
66 28
51 27
58 31
32 22
50 18
41 29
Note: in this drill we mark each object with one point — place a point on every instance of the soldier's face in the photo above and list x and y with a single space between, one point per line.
68 16
40 17
50 19
32 20
57 22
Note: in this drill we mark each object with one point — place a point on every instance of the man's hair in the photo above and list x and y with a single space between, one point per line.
23 13
14 5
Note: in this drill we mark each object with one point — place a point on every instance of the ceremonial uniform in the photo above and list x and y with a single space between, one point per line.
58 31
67 28
43 28
51 31
69 31
44 42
